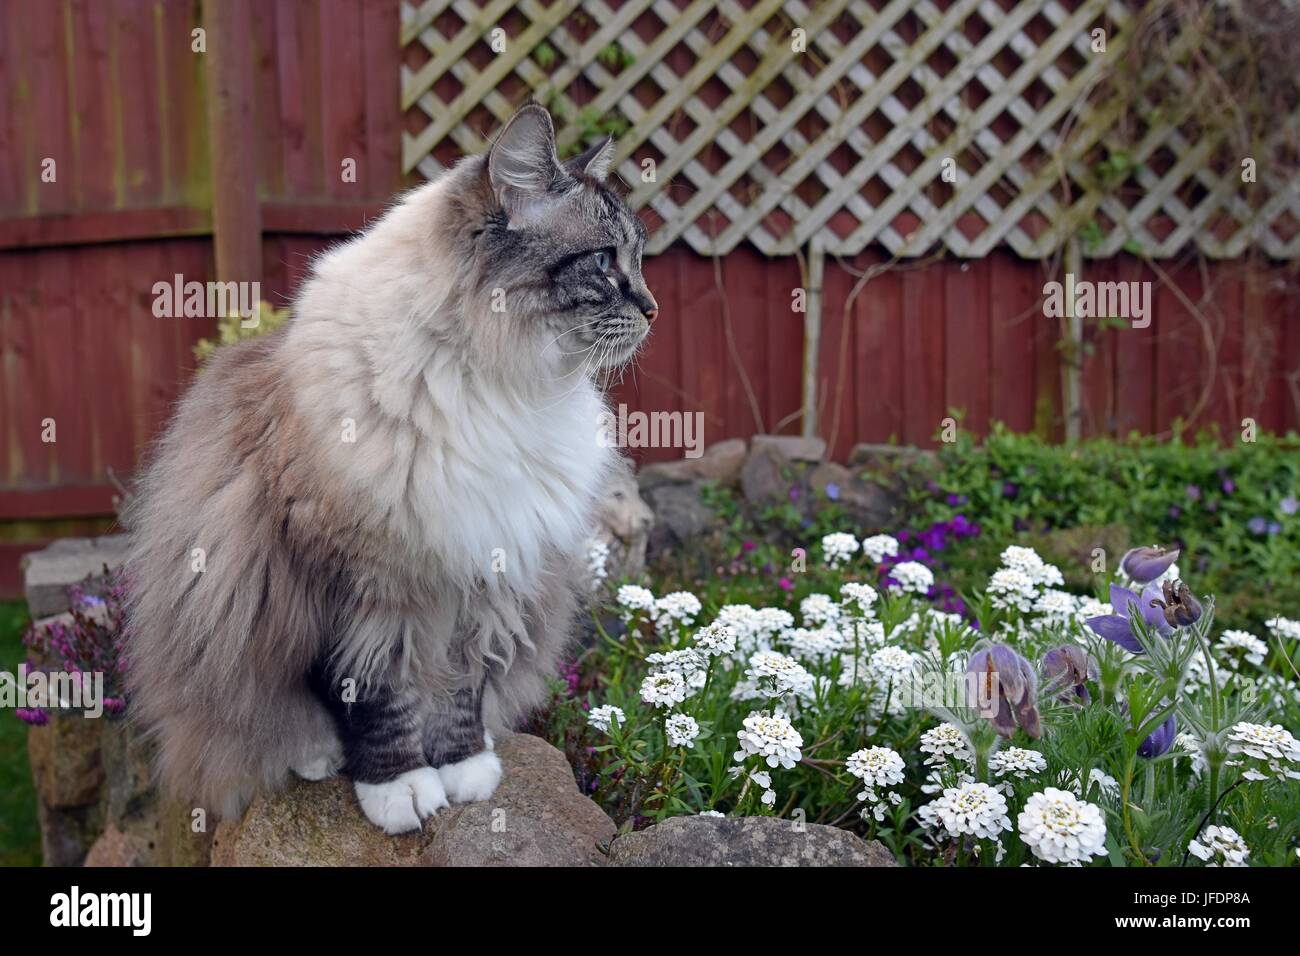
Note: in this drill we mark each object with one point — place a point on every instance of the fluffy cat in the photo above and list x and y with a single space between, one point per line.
357 544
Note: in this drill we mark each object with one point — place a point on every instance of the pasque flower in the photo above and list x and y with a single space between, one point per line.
1004 676
1068 668
1118 627
1144 565
1161 739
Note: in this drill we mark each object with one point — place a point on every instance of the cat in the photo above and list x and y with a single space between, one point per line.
358 545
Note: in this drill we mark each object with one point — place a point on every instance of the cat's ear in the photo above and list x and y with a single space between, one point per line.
594 161
522 164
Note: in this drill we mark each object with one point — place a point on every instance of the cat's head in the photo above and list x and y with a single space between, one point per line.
556 254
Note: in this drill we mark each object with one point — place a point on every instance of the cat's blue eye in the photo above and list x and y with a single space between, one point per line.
603 260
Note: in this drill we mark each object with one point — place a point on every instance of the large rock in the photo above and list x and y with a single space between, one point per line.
869 504
793 447
745 841
767 476
47 574
720 464
115 848
537 817
680 514
66 763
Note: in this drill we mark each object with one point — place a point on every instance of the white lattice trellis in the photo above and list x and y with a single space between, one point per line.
841 143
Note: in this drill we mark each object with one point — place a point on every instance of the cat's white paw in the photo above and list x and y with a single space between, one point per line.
472 779
399 806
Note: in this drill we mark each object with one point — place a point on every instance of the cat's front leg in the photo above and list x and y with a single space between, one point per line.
383 749
457 744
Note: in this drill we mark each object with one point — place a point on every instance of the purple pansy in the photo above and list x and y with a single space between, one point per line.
1290 505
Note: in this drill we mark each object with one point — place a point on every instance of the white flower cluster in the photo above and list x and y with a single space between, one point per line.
681 730
634 598
972 809
879 768
1022 581
1058 827
602 717
680 607
819 609
597 558
754 628
1251 648
1017 762
771 737
860 597
777 675
1272 745
943 743
910 577
685 662
663 689
880 546
716 640
1284 628
892 664
1192 747
1220 846
808 644
838 548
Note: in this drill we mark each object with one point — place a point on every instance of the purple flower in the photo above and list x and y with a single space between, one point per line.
1161 739
1257 525
1228 486
1003 675
1194 492
1009 490
1274 527
786 584
1069 668
748 546
1290 505
1144 565
1118 628
32 715
956 500
1175 512
832 491
794 493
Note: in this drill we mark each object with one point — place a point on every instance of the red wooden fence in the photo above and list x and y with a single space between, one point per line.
112 92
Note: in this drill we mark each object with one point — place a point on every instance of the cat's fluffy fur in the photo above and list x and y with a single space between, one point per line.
440 547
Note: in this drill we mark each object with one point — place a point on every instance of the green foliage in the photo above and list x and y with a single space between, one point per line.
1204 497
20 843
231 329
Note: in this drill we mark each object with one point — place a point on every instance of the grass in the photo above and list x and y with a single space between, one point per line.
20 843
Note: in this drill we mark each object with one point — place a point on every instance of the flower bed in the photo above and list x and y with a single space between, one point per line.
1017 722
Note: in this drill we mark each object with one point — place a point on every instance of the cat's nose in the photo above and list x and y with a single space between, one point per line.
651 314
